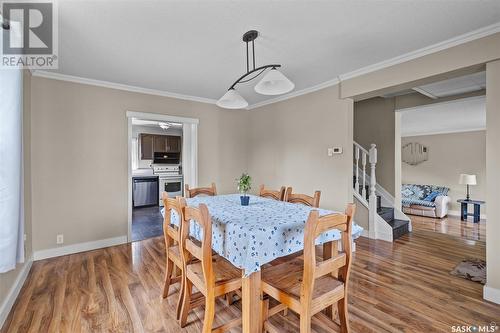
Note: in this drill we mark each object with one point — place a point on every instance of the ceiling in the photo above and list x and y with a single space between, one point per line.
194 48
449 87
454 86
460 115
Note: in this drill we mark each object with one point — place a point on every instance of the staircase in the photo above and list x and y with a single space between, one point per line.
385 221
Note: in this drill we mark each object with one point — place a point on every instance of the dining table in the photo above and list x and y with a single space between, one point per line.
251 236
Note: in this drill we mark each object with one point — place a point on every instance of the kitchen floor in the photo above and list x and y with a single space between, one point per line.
147 222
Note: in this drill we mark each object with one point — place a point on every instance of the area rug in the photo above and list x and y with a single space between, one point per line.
471 269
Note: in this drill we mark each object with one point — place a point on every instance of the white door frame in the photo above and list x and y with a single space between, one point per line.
189 152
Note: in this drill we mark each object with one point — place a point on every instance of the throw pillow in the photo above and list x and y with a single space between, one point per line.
432 196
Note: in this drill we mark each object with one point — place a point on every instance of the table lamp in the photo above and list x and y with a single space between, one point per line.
466 179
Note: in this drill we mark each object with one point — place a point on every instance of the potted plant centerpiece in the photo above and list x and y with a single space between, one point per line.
244 185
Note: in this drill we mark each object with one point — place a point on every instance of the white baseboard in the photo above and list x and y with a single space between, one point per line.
11 297
491 294
80 247
457 213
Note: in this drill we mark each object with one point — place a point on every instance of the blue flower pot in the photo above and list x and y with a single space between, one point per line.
245 199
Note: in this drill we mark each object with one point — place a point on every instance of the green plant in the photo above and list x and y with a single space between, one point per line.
244 183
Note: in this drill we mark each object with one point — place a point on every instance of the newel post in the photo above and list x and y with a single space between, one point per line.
373 196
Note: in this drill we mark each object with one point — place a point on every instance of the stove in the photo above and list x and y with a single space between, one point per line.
170 179
166 169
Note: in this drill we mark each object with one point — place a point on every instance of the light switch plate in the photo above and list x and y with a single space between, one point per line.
334 151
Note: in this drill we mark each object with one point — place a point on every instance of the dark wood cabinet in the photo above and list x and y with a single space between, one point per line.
146 144
173 144
151 143
160 143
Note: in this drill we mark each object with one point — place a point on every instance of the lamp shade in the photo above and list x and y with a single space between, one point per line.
466 179
232 100
274 83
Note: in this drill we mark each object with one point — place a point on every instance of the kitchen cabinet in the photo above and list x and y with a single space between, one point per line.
151 143
160 143
146 145
173 144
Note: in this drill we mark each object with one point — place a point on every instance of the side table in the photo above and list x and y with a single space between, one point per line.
477 209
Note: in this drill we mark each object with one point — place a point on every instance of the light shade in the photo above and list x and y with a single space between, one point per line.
232 100
466 179
274 83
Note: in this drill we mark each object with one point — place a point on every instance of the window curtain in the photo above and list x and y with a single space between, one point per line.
11 169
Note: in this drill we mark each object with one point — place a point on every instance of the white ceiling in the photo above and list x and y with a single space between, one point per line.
194 47
462 115
455 86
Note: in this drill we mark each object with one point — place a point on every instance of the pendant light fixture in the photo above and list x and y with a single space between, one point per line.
273 82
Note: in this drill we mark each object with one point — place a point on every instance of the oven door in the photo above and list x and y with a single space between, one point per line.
171 185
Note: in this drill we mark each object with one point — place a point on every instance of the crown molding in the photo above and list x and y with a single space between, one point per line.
449 43
119 86
296 93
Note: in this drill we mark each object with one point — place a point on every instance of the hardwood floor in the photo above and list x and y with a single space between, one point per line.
452 225
403 286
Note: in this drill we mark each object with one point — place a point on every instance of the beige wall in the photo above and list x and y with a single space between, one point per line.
492 168
8 279
374 122
449 156
79 156
288 145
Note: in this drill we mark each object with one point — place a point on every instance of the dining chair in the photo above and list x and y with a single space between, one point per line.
171 233
303 198
308 287
276 195
213 276
193 192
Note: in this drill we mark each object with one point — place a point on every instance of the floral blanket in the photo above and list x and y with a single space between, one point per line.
412 194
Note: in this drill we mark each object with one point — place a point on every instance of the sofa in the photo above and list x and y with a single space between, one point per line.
425 200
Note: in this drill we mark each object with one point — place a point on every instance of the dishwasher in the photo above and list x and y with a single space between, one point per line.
145 191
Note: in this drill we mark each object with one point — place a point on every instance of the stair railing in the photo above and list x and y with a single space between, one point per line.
361 155
360 152
372 202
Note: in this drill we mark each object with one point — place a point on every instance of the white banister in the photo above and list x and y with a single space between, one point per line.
356 157
373 163
372 201
363 162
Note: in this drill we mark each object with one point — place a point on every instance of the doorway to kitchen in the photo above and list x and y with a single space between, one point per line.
162 154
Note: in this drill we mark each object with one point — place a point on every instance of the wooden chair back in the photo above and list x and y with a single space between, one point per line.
193 192
276 195
171 232
194 248
303 198
337 264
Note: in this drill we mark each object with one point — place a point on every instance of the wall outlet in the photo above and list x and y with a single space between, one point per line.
60 239
334 151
